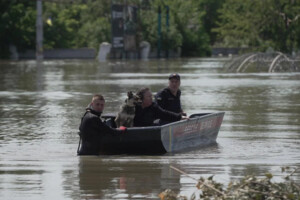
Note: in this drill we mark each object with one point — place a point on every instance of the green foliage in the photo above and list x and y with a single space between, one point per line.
269 175
171 37
77 25
87 24
185 29
95 27
210 16
188 21
194 25
249 187
235 27
63 31
93 33
17 25
260 24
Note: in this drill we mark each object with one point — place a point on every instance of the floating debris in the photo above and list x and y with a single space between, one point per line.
168 194
250 187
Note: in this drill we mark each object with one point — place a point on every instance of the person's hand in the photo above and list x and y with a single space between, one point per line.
183 113
122 128
184 117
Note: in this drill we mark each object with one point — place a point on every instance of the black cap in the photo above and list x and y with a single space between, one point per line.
176 76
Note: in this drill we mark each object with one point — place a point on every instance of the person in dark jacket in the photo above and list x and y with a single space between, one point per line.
147 112
92 129
169 97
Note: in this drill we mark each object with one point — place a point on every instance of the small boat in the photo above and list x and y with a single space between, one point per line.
199 130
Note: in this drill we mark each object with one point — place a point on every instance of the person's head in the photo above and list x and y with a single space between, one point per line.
174 82
145 95
98 103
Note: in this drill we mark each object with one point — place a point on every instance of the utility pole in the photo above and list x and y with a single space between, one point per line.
159 32
39 31
167 35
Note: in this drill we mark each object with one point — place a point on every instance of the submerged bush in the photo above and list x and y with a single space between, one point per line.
250 187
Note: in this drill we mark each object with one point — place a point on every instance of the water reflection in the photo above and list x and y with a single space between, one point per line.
124 178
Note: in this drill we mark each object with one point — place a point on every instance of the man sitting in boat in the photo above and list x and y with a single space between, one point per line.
92 129
148 111
169 97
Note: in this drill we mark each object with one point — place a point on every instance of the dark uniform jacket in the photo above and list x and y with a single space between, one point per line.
92 130
168 101
146 116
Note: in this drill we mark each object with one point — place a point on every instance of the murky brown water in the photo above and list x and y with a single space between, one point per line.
41 106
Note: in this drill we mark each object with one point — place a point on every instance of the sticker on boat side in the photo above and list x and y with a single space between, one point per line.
195 126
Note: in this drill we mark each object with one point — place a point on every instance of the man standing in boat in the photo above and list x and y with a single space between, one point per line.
169 97
92 129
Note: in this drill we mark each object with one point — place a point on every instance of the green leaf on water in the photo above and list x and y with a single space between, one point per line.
269 175
291 196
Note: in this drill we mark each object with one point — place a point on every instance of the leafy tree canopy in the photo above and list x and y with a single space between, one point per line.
194 25
260 24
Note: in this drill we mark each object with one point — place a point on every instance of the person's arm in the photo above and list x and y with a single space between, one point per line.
180 105
102 129
166 115
181 111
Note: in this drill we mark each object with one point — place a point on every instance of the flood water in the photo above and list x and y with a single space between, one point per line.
41 105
